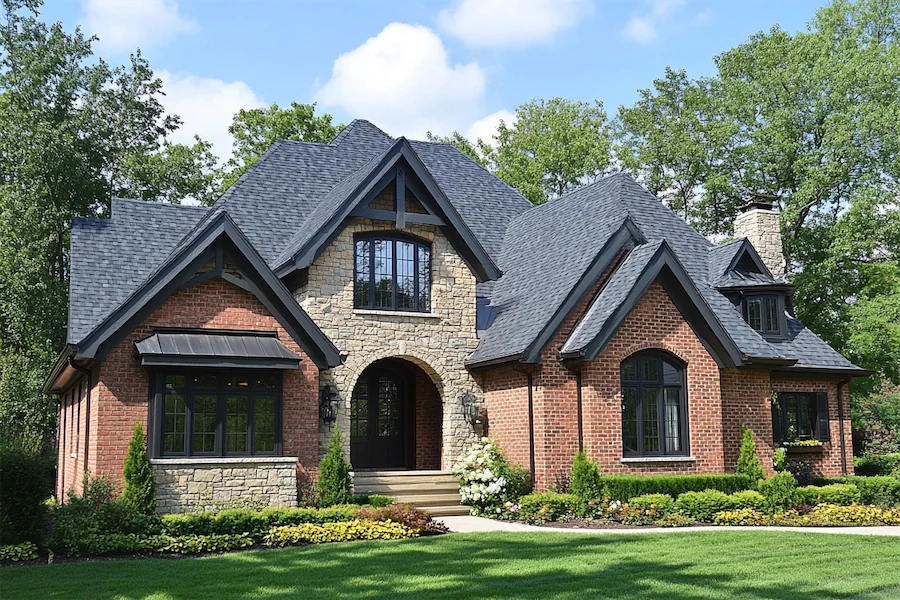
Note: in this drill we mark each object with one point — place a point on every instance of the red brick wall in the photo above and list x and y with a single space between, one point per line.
828 463
506 402
428 422
746 400
121 396
654 323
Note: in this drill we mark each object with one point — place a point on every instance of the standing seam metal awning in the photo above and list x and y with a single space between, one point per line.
216 348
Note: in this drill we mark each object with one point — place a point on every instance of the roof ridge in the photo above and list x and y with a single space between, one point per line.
353 125
139 201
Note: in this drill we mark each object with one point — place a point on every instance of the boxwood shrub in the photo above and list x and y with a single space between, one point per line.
876 490
884 464
541 507
748 499
624 487
703 506
780 490
252 522
656 505
843 494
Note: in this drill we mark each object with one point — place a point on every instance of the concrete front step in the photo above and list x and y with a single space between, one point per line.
436 492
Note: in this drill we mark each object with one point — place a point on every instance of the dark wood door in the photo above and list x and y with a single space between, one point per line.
376 421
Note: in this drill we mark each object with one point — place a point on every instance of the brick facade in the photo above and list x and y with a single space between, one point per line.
120 399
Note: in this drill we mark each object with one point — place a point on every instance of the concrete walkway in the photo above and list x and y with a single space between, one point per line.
469 524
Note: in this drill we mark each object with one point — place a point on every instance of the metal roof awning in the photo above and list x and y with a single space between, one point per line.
215 348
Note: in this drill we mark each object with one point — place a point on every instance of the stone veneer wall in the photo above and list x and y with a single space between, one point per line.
437 342
188 484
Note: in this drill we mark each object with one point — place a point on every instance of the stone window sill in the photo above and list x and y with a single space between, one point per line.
659 459
222 460
395 313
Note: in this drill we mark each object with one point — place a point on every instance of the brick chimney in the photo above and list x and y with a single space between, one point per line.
758 222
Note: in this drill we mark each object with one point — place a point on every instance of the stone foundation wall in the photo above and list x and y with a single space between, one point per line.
187 484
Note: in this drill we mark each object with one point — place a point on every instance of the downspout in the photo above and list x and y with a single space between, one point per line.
840 400
530 378
577 371
87 422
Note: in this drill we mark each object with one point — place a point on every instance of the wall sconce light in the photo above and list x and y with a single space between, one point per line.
470 408
328 404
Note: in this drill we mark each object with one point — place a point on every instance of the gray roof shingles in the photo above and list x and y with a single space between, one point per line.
544 251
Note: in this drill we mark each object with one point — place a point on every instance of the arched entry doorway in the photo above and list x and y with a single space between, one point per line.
395 418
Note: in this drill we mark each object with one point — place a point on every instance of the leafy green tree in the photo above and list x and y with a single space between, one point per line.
140 482
74 132
461 143
748 461
334 474
256 129
554 146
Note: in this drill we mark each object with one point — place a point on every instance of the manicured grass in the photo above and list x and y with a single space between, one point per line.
674 566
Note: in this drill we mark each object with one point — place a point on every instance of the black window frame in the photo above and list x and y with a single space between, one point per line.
221 391
787 404
421 303
640 385
780 318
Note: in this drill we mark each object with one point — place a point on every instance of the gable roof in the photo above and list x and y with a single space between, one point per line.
217 235
338 204
548 249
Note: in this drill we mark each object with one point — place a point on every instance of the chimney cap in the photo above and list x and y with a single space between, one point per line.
759 200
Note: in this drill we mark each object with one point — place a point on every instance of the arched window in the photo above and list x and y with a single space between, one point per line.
654 405
392 273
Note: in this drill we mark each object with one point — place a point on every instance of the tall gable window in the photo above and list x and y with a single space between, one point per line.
765 314
213 413
392 273
654 406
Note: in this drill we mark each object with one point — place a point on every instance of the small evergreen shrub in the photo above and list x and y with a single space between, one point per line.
703 506
26 481
585 478
140 482
334 474
779 458
748 499
251 522
653 505
780 490
842 494
623 487
748 463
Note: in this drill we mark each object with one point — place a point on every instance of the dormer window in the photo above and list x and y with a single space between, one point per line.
765 313
392 273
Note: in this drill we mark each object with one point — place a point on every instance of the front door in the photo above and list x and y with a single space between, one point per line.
376 421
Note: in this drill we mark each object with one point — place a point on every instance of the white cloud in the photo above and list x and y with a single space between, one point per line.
125 25
402 81
644 29
511 22
206 107
486 128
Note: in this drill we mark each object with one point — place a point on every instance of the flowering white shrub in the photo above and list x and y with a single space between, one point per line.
484 478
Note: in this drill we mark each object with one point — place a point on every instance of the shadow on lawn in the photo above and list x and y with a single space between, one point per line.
447 567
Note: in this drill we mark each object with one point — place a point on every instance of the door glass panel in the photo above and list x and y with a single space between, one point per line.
174 423
629 419
237 418
651 420
673 420
205 424
264 424
388 408
359 408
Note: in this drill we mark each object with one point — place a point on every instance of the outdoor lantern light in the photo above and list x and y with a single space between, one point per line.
328 404
470 408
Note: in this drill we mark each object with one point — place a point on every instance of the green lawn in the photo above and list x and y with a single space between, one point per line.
674 566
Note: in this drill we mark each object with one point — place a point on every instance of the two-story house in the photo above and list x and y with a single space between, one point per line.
398 291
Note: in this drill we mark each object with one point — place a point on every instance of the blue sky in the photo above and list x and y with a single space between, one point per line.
414 66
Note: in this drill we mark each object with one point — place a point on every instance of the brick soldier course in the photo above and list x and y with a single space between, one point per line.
396 290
